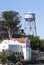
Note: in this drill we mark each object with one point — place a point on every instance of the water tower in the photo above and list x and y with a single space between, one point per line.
30 18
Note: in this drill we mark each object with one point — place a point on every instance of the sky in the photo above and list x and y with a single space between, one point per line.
23 6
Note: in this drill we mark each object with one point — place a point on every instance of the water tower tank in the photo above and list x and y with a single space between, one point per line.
29 16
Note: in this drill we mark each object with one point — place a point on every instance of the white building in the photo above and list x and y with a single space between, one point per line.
20 46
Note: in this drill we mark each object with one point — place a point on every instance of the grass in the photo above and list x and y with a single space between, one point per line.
40 58
35 51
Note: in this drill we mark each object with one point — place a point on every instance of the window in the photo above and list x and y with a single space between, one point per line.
3 46
15 53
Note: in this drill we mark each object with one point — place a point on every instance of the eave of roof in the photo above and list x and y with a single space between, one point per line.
21 40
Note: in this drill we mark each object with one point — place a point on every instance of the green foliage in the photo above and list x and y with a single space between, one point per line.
9 56
1 38
10 21
41 45
12 18
16 57
40 58
35 51
34 42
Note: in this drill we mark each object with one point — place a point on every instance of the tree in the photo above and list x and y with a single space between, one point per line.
5 55
9 56
10 21
34 42
41 47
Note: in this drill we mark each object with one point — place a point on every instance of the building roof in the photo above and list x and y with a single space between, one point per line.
21 40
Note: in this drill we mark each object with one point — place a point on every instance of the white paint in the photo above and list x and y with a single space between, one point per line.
15 46
28 53
29 16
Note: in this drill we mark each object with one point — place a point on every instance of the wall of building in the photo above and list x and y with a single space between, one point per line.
23 49
3 46
28 53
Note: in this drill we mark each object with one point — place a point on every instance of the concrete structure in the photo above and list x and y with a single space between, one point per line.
20 46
